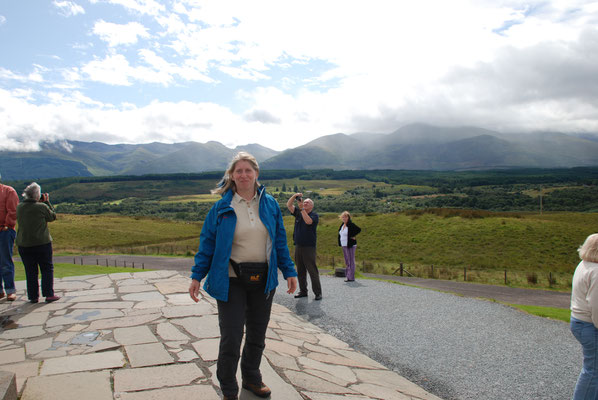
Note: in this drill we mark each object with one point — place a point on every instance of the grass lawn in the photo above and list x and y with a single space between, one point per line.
562 314
81 233
63 270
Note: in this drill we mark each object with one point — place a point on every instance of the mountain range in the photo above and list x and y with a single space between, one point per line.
415 146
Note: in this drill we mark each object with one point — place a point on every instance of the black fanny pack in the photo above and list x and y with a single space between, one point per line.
251 273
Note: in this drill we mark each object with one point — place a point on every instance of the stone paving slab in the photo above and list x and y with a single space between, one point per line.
143 355
133 336
8 385
83 385
83 362
136 379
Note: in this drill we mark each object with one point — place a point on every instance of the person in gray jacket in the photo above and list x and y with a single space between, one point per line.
35 242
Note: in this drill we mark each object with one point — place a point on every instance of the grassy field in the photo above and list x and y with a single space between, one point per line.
561 314
537 250
513 241
116 191
322 186
63 270
98 234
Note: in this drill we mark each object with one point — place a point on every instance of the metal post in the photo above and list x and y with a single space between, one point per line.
401 269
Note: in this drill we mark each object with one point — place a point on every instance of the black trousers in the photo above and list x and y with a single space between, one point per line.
247 308
305 259
34 257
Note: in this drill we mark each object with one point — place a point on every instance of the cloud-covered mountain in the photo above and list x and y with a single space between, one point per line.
72 158
416 146
420 146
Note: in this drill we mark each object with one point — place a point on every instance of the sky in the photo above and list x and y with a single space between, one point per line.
282 73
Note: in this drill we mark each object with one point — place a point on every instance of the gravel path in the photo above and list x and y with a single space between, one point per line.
452 346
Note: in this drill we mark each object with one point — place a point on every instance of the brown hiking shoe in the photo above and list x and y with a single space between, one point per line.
260 389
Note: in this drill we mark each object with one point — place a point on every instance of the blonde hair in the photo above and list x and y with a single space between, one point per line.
226 182
589 249
347 213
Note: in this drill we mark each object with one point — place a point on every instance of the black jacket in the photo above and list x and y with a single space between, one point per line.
353 231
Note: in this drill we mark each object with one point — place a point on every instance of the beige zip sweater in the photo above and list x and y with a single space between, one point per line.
584 296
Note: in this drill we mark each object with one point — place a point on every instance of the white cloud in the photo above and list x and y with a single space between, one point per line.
2 19
68 8
119 34
35 76
112 70
285 73
149 7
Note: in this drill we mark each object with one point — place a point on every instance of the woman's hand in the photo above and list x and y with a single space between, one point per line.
194 290
292 285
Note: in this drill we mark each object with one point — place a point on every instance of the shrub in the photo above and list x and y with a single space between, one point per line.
532 278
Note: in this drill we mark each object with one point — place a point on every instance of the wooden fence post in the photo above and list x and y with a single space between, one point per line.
465 274
401 269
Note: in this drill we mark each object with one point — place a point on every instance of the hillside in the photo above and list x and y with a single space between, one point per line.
73 158
412 147
426 147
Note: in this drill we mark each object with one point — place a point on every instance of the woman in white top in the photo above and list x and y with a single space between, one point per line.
346 239
584 317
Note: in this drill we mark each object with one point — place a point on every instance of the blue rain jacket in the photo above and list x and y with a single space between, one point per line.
216 239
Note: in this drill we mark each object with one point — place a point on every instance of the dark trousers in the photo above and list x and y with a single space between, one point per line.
34 257
249 309
305 259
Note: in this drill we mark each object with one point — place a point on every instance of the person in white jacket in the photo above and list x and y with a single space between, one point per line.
584 317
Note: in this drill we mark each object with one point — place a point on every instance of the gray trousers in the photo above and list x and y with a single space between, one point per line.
305 260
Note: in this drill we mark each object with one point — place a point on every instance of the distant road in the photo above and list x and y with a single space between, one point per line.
532 297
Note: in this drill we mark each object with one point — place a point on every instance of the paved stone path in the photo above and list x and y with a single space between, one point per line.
133 336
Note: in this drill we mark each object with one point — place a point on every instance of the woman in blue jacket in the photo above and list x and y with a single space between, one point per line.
242 245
